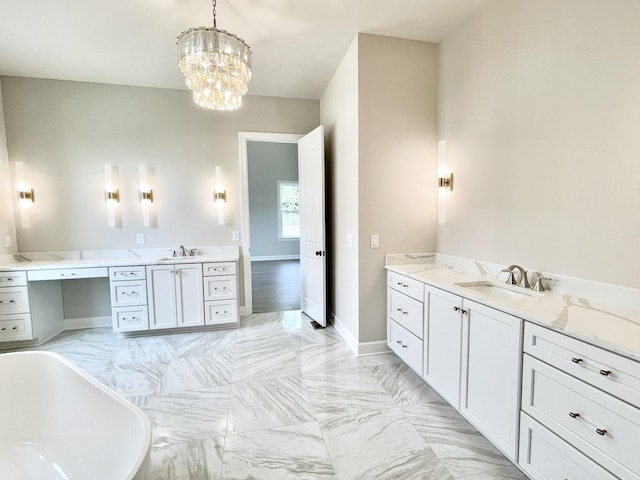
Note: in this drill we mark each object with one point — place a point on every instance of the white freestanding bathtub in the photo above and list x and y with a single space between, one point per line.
58 423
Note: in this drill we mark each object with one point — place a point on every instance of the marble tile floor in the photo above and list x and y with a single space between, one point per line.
275 399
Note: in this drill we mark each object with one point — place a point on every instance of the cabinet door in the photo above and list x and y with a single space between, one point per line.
443 344
492 352
161 295
189 296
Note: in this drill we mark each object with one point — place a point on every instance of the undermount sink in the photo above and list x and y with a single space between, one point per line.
192 258
498 290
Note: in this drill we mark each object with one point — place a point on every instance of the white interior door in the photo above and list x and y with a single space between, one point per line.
312 225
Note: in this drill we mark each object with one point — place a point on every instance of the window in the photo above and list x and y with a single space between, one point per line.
288 210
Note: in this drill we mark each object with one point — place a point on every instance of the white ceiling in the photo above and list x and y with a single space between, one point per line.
297 44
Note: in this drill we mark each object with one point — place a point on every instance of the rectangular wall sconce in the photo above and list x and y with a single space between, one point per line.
145 194
219 196
25 195
445 182
111 194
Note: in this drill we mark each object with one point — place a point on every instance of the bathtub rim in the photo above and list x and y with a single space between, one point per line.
139 413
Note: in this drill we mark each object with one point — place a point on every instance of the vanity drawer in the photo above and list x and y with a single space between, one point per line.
218 288
220 312
608 371
406 285
67 273
127 273
544 456
15 328
227 268
603 427
13 279
407 311
130 319
14 300
406 345
132 292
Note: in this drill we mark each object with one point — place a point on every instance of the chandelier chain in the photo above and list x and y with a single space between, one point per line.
214 13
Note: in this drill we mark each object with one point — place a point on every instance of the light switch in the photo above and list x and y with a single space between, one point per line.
349 240
375 241
139 238
7 241
235 236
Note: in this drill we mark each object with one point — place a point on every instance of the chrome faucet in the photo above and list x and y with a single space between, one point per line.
183 252
523 281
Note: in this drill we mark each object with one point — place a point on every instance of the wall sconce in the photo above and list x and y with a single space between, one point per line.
445 182
111 194
25 195
219 196
145 194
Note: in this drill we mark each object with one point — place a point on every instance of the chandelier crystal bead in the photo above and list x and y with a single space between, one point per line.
216 65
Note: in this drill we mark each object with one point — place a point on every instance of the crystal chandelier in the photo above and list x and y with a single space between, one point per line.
216 65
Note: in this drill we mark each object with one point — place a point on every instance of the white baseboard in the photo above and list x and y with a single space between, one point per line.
268 258
344 333
89 322
359 348
373 348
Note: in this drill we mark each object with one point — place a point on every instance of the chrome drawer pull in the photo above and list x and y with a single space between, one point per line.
574 415
606 373
600 431
403 285
576 360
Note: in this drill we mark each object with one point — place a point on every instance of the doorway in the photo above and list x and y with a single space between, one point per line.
274 224
270 246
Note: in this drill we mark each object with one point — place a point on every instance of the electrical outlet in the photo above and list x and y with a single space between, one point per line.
235 236
375 241
7 241
349 240
139 238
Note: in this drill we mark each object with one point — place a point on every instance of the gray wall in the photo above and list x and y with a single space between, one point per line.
339 114
540 105
397 162
381 137
7 221
269 163
65 132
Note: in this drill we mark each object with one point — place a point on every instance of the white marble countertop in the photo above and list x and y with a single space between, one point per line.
113 258
613 328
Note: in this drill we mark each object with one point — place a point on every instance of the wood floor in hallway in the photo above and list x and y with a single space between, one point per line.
275 285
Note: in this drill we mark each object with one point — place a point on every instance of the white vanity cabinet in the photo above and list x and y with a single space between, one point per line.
588 398
443 343
472 357
128 288
471 354
491 365
15 317
405 314
220 294
175 293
